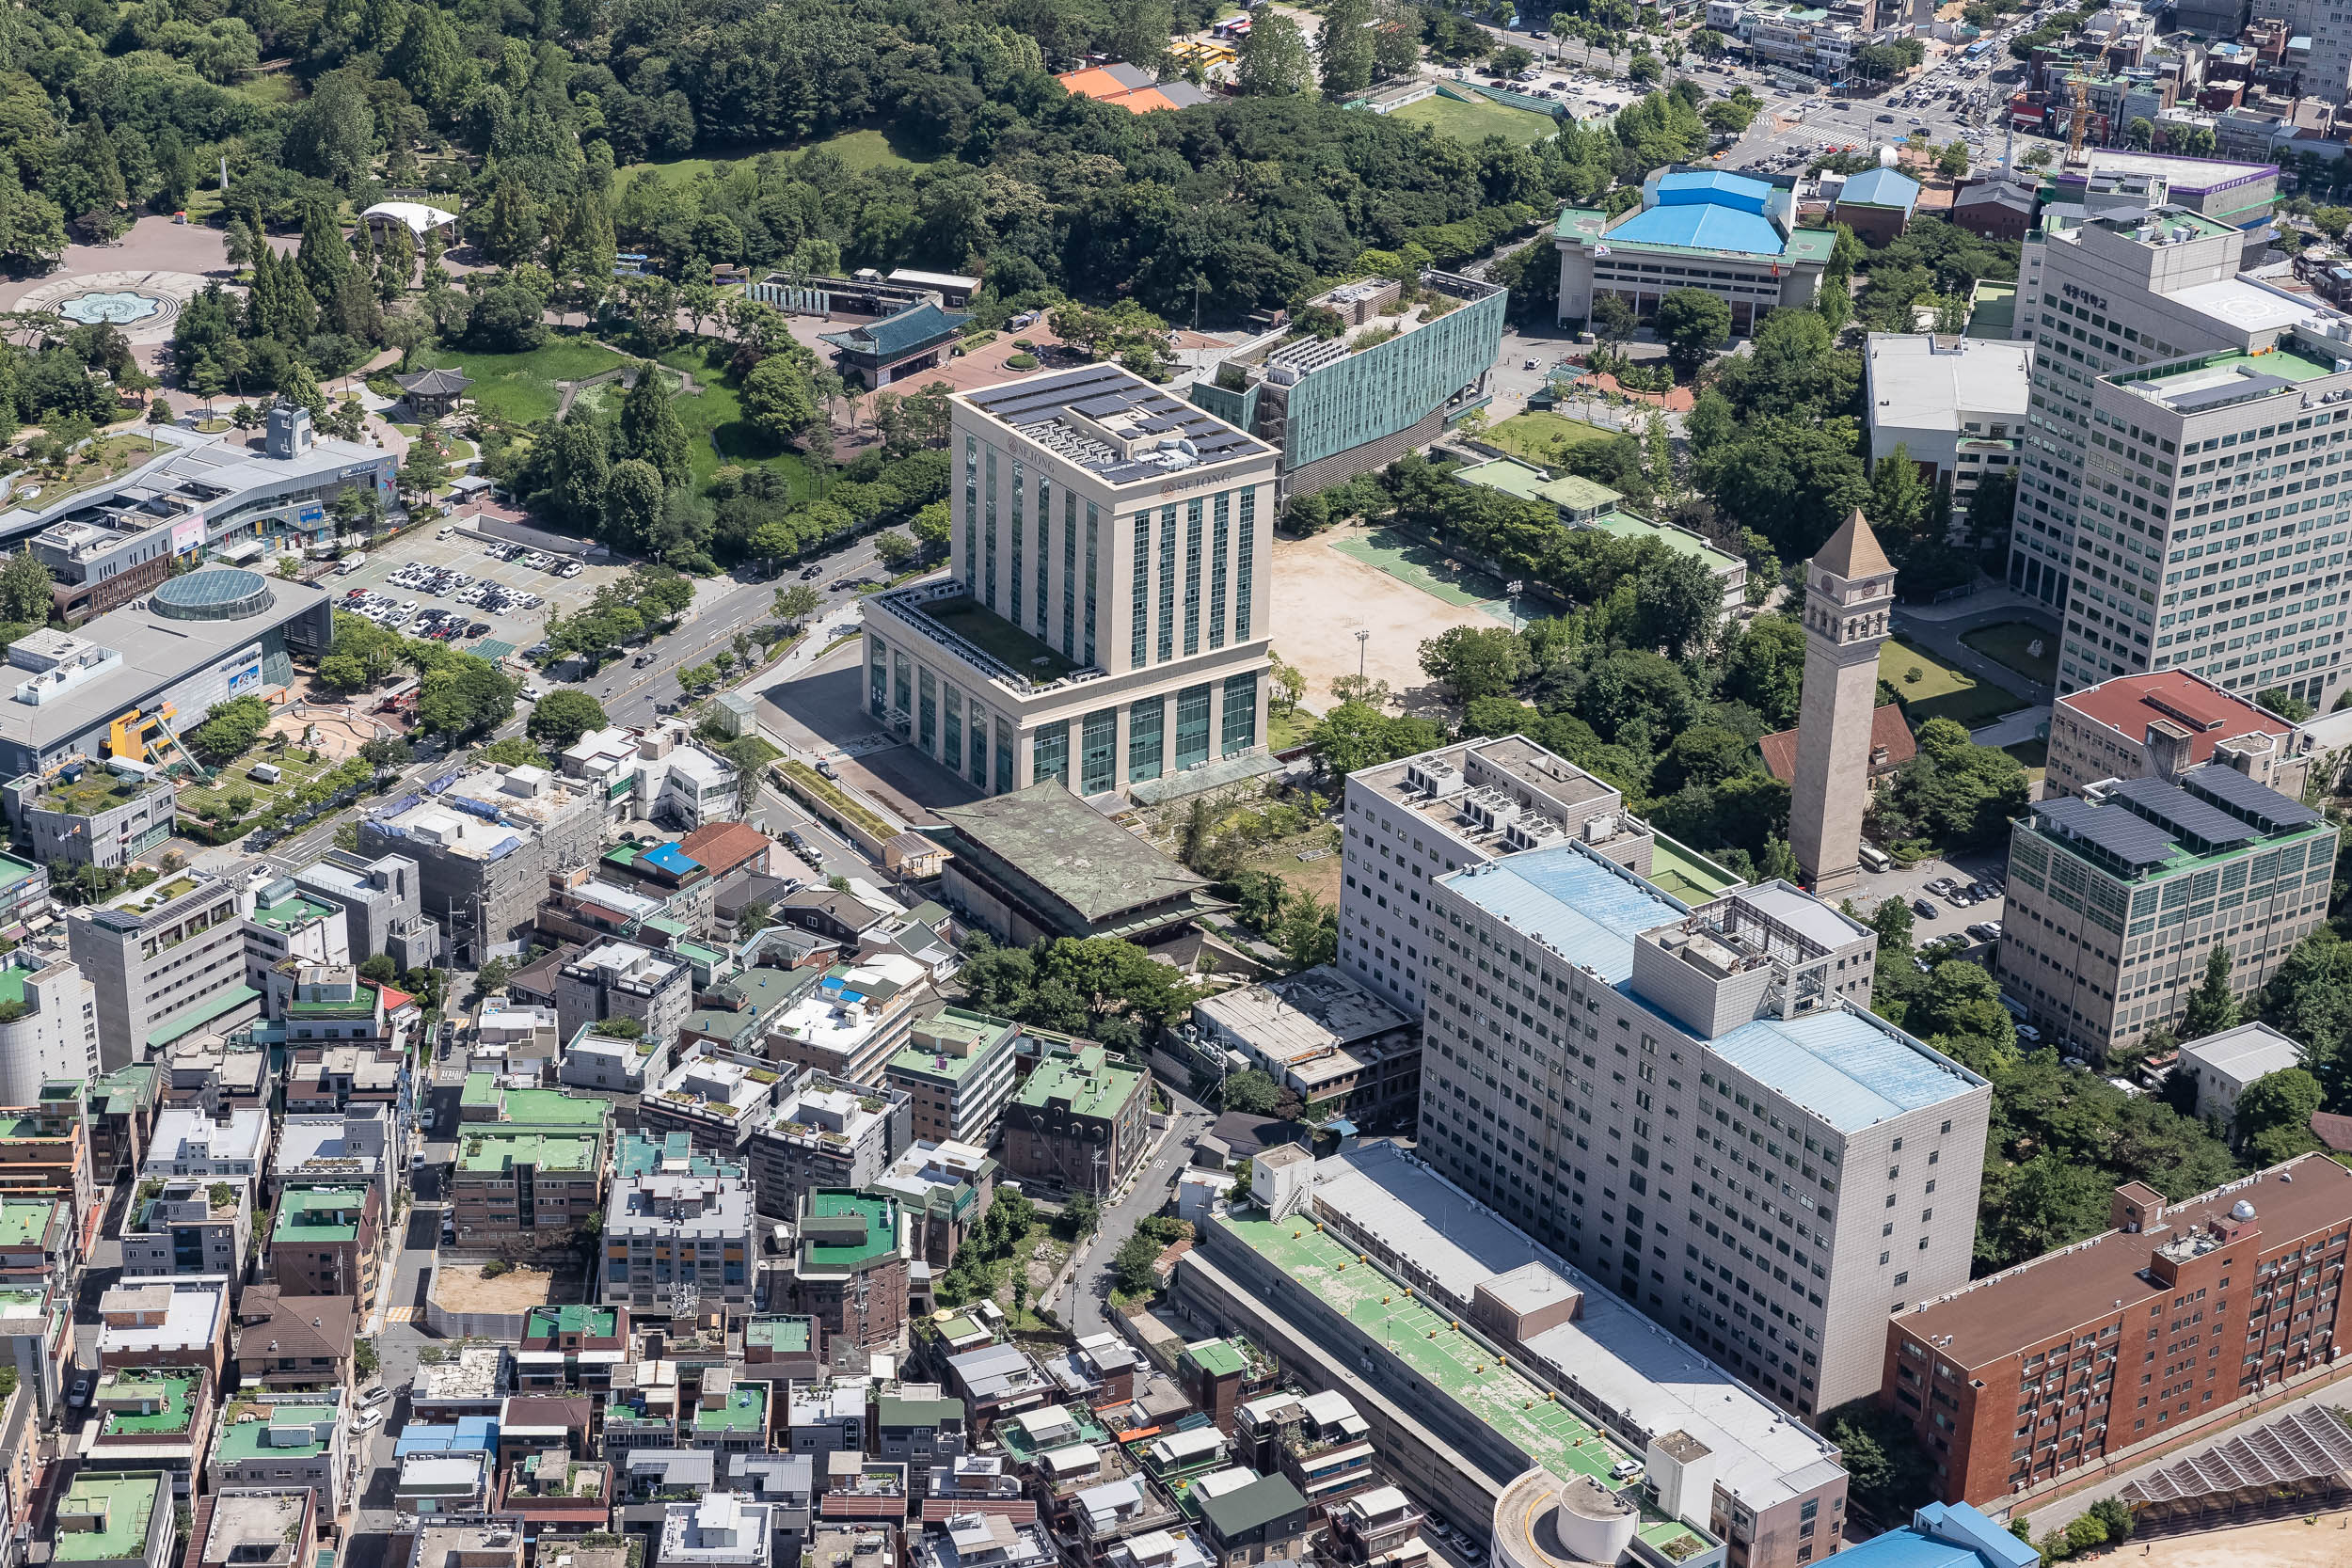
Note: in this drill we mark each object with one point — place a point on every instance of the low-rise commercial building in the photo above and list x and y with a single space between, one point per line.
283 928
485 848
473 1382
213 1075
327 1240
957 1071
1340 1049
114 1519
188 1225
622 980
86 814
2116 900
119 1107
1078 1123
382 900
2220 1066
2076 1330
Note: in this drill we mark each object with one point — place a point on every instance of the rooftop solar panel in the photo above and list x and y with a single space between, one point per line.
2237 791
2173 806
2128 838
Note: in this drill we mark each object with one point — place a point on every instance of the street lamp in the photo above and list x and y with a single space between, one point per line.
1362 638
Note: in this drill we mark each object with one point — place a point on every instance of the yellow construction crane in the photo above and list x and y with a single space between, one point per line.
2081 122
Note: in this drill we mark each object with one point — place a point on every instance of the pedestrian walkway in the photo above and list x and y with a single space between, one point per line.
405 1315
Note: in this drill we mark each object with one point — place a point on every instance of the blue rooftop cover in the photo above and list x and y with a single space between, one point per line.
1943 1535
1882 187
468 1435
1845 1069
670 857
1722 190
1700 224
1585 911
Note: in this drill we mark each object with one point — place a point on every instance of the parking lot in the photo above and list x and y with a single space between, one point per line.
517 623
1910 884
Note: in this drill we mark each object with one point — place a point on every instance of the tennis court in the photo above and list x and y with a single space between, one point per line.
1434 572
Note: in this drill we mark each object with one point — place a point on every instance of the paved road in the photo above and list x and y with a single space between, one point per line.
1083 1302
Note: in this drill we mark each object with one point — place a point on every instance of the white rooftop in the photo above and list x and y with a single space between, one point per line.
2247 307
184 1134
1917 385
2248 1051
1621 1358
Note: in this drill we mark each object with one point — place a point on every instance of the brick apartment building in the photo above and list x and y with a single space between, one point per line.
327 1242
2172 1315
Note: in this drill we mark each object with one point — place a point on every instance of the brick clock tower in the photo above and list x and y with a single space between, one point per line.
1850 589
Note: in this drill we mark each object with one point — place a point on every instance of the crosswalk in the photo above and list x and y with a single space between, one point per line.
405 1315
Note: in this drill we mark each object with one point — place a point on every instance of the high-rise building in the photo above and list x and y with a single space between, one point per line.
1694 1107
1109 613
2183 496
1462 805
55 1033
1849 592
2117 900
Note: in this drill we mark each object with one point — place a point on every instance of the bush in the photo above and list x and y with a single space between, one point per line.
496 1267
1021 362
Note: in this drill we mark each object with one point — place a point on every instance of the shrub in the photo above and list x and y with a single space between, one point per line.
1021 362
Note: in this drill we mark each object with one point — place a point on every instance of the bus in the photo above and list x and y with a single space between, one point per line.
1874 858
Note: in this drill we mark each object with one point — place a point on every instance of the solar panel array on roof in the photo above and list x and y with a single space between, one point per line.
2241 796
2169 805
1104 392
2130 839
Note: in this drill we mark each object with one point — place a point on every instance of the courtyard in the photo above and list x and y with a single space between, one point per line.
1934 689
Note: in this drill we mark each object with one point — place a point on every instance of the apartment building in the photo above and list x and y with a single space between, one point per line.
1105 621
957 1071
850 1267
2162 723
114 1519
715 1097
2181 497
1323 1036
188 1226
679 1230
1462 805
54 1035
165 960
620 979
2052 1366
511 1187
190 1141
120 1108
282 928
946 1188
44 1151
2117 898
825 1132
382 905
327 1240
1585 1033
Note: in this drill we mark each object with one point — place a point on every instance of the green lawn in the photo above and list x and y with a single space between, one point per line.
279 87
1536 435
861 150
1942 692
2007 643
521 387
714 421
294 768
1475 122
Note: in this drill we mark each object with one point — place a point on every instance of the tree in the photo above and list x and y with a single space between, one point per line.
1694 322
1252 1092
1886 1468
894 549
1953 161
633 504
229 729
1612 320
1082 1214
650 430
1343 49
796 604
1476 662
1274 59
1132 1265
425 470
2115 1514
1898 508
25 586
780 397
2274 1116
562 717
2211 1008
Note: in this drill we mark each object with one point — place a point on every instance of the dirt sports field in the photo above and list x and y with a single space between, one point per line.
2281 1544
1323 597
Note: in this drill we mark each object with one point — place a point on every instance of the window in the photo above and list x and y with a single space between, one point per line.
1168 585
1244 565
1014 602
1192 577
1192 726
1093 521
1217 533
1240 727
988 581
1139 609
1098 755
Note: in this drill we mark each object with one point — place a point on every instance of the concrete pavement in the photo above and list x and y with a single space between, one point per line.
1084 1299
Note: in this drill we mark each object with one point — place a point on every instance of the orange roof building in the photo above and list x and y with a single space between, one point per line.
1130 87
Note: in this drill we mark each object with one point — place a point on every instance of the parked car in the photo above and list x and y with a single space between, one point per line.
1924 909
1986 930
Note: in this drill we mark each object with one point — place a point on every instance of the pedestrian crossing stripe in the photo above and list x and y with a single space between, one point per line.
404 1314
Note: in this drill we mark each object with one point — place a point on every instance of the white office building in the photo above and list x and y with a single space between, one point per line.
1956 406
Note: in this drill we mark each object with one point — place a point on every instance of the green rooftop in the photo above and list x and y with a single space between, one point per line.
1506 474
116 1510
125 1090
643 1153
482 1088
597 1323
1686 874
998 638
290 913
1624 525
12 980
95 791
554 1108
248 1439
1095 1082
878 1215
1217 1357
782 1333
978 1035
190 1018
167 1393
319 1214
25 1220
745 1410
489 1150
